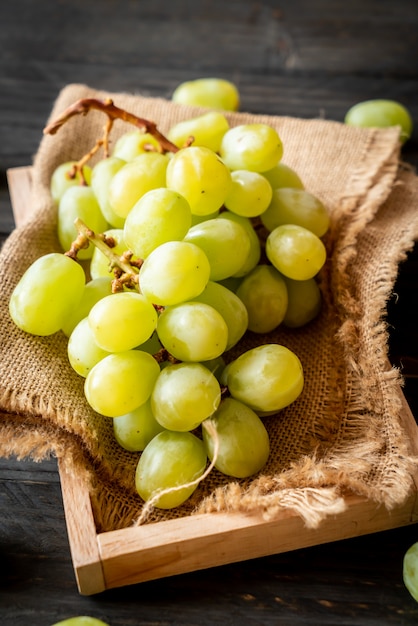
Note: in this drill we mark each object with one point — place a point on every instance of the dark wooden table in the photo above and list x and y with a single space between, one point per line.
301 58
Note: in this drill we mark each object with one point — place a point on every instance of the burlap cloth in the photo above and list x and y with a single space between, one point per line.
343 435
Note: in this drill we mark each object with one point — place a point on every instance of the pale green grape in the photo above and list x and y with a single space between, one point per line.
264 294
282 175
250 193
161 215
304 302
151 345
174 272
184 395
381 114
243 440
99 264
101 177
193 331
225 243
133 431
94 290
214 93
295 251
198 219
133 143
79 202
205 130
255 147
198 174
230 306
121 382
147 171
410 570
81 620
47 293
62 179
216 366
122 321
266 378
296 206
254 254
171 460
83 352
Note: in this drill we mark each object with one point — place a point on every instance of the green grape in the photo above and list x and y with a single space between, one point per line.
61 179
171 460
133 143
151 345
296 206
101 177
216 366
255 147
205 130
266 378
83 352
134 430
250 194
47 293
217 238
243 441
304 302
81 620
410 570
214 93
184 395
198 174
282 175
122 321
264 294
79 202
295 251
174 272
147 171
193 331
121 382
381 114
99 263
254 254
230 306
198 219
94 290
161 215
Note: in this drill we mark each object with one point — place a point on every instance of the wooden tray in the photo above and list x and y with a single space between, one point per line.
124 557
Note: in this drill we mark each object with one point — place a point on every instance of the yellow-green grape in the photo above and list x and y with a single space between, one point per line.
214 93
122 321
296 206
225 243
79 202
381 114
282 175
230 306
62 179
171 460
147 171
101 177
184 395
100 266
279 385
46 294
121 382
255 147
161 215
201 176
410 570
94 290
264 294
304 302
205 130
133 143
250 194
295 251
174 272
193 331
243 440
81 620
151 345
216 366
133 431
83 352
254 254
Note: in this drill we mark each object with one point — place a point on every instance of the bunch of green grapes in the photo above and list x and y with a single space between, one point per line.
177 274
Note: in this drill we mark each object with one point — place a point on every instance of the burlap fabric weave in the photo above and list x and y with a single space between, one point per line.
344 434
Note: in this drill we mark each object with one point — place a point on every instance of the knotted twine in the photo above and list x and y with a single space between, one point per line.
343 435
